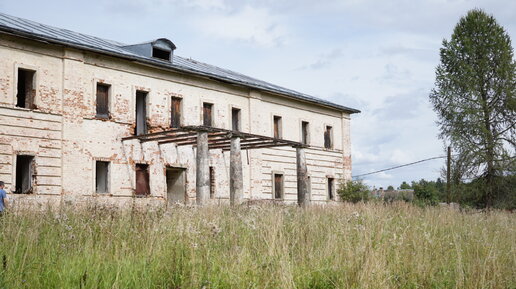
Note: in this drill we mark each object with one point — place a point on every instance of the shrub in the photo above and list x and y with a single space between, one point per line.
354 191
426 192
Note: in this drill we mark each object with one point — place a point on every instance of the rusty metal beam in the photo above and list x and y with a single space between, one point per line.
172 130
193 140
172 137
218 138
250 147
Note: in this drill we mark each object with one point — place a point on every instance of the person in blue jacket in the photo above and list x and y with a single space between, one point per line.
3 198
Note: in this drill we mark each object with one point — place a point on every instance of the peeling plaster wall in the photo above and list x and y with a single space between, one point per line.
66 138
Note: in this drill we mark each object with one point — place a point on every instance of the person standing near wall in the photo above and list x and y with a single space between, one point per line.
3 198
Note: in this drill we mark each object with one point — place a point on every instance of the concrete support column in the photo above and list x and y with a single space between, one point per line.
202 184
303 194
236 178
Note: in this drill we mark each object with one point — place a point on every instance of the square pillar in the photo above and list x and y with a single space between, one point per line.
236 178
303 195
202 184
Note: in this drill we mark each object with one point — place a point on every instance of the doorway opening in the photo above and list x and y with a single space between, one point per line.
176 185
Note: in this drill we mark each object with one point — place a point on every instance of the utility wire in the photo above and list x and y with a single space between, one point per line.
397 167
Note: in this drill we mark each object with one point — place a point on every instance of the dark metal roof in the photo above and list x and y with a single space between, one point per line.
33 30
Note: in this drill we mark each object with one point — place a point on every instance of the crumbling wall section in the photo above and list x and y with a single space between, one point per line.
36 131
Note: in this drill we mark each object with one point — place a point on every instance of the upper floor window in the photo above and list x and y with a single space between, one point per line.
277 127
328 137
175 113
305 132
207 114
102 100
141 112
235 119
26 89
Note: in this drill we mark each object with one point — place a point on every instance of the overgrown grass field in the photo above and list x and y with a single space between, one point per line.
346 246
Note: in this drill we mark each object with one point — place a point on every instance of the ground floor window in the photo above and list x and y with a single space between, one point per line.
278 186
24 174
142 180
101 177
212 183
176 185
331 188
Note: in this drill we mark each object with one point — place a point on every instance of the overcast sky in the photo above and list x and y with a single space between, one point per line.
376 56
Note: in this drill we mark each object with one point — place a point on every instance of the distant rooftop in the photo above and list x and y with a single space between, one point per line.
33 30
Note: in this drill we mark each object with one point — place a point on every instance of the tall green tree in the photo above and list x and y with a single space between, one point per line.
405 186
474 97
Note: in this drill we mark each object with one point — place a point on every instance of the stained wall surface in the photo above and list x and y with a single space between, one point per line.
66 138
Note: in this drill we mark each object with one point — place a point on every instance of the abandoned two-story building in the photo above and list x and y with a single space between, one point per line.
83 118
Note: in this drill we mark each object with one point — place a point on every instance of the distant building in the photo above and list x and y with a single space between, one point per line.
393 195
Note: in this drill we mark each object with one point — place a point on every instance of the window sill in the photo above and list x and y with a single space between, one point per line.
102 118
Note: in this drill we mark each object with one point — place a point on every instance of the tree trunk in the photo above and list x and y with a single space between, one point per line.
490 172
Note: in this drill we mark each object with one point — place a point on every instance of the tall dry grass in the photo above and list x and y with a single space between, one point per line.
347 246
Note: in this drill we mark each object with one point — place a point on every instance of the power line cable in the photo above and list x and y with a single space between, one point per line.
400 166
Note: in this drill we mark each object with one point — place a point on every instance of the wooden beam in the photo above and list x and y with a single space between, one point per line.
152 134
218 138
250 147
172 138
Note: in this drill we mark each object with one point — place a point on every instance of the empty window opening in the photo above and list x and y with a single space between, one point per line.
212 183
278 186
175 117
235 119
103 100
207 114
331 189
142 180
141 113
176 185
161 53
101 177
277 127
304 132
26 90
328 137
24 174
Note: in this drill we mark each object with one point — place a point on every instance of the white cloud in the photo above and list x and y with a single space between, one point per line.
399 157
384 176
365 157
253 25
206 4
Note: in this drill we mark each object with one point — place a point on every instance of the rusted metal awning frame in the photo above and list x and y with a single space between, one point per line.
205 138
218 138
